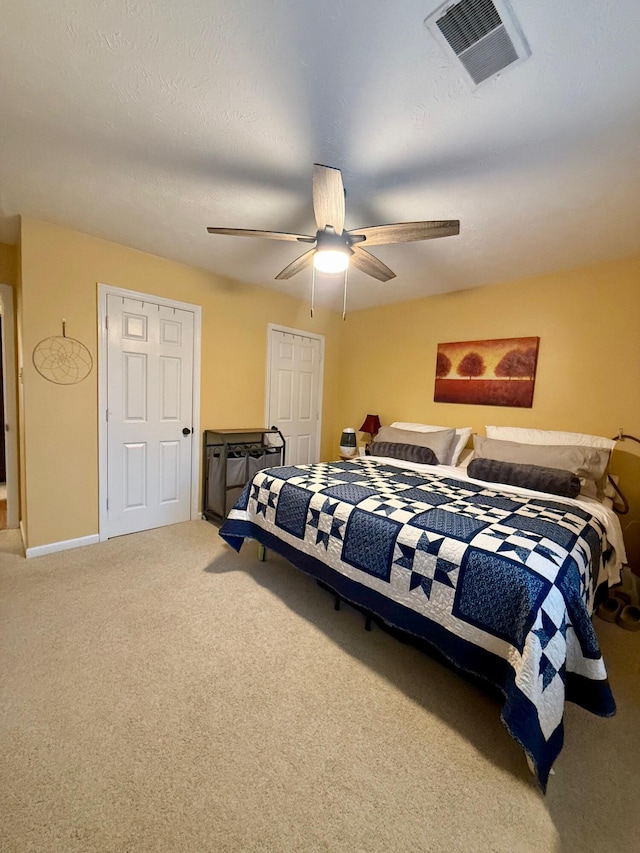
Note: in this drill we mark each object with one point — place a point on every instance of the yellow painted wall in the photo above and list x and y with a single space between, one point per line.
60 272
588 376
381 360
8 264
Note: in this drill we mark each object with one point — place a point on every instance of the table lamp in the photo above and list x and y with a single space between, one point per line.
371 425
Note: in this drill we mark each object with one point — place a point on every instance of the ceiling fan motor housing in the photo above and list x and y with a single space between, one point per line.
329 241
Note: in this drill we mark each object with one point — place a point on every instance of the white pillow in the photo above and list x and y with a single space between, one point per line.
462 437
523 435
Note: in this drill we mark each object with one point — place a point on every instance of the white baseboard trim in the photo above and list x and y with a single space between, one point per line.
65 545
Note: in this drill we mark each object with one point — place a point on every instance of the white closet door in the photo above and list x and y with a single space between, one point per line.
295 382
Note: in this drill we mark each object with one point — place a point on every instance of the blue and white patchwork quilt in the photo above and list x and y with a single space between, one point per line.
500 582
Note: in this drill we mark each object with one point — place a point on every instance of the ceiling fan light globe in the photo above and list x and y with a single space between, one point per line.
331 260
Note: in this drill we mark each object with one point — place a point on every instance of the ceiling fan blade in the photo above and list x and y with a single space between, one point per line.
296 266
366 263
407 232
272 235
328 197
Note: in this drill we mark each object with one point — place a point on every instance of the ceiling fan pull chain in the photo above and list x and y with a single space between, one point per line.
344 301
313 287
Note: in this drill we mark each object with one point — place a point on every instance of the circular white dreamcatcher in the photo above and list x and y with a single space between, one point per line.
62 360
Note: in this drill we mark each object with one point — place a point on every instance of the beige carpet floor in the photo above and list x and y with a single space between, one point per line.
161 693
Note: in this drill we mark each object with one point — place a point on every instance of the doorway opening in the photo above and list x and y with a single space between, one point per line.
9 495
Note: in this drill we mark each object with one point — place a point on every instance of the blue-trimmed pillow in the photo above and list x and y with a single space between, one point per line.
555 481
405 452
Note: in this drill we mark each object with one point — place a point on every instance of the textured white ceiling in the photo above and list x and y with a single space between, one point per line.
144 121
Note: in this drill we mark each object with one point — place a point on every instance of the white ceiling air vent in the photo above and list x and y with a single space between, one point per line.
483 34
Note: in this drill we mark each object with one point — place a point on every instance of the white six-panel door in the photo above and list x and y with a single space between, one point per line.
295 382
149 392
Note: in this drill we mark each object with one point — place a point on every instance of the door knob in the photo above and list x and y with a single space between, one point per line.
186 431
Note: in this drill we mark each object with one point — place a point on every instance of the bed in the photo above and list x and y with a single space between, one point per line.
499 578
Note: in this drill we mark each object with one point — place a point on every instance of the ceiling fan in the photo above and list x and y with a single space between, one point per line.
335 249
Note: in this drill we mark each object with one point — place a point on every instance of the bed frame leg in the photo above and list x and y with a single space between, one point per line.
336 603
262 553
367 622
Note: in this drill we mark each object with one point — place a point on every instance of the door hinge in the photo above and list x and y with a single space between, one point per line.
106 415
106 322
107 504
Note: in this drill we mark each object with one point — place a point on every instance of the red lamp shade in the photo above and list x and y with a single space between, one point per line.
371 425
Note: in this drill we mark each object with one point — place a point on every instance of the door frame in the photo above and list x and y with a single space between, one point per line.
276 327
105 290
10 404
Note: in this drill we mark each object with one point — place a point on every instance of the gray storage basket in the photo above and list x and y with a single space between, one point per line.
219 499
265 459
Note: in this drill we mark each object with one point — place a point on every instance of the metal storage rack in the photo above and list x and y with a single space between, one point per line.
230 459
